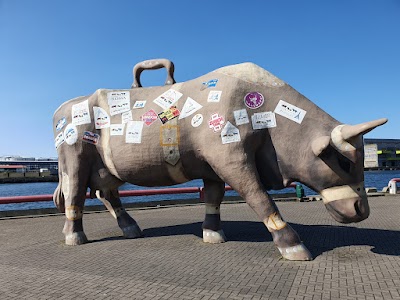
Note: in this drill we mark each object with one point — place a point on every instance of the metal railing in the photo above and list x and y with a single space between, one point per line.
129 193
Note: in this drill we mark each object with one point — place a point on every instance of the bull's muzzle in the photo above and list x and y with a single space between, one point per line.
347 203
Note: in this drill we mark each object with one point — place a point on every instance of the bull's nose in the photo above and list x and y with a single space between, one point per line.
348 210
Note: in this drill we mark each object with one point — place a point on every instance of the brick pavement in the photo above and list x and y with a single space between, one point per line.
354 261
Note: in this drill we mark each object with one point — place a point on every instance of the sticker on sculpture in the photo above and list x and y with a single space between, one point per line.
210 83
149 117
189 108
139 104
61 123
134 132
230 134
216 122
91 137
101 118
290 111
59 139
214 96
254 100
197 120
117 129
119 102
126 117
169 114
70 134
263 120
80 113
241 117
168 98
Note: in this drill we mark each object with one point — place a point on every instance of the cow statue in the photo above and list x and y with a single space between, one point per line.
238 125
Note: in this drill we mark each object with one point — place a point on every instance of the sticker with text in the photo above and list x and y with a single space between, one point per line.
168 98
119 102
149 117
126 117
91 137
241 117
263 120
230 134
197 120
190 107
210 83
117 129
290 111
101 118
214 96
59 139
134 132
70 134
169 114
139 104
253 100
80 113
61 123
216 122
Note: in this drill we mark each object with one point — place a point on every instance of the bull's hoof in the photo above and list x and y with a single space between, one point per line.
132 232
213 237
75 238
298 252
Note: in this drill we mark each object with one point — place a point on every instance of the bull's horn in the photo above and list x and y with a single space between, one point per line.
342 136
349 131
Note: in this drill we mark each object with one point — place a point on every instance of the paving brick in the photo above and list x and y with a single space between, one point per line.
352 261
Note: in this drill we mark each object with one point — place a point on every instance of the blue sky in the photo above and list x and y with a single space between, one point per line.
344 55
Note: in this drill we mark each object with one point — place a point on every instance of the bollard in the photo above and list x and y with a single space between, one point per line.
392 187
299 191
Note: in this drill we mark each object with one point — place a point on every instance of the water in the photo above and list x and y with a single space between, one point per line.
378 179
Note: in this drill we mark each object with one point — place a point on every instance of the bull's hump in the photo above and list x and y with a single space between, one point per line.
251 73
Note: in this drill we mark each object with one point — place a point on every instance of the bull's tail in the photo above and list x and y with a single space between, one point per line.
58 196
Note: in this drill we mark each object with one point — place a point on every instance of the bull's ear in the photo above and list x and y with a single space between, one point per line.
350 131
319 144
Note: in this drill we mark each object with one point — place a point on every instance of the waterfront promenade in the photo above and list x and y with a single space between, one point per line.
354 261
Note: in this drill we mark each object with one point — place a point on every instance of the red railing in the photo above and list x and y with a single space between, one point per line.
129 193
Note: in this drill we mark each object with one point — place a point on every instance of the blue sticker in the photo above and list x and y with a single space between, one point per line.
61 123
210 83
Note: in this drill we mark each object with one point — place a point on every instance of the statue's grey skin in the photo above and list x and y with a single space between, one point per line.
320 152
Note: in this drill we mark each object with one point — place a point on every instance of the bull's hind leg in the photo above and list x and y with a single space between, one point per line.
247 183
213 194
113 203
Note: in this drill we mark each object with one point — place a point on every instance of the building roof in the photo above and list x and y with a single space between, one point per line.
12 167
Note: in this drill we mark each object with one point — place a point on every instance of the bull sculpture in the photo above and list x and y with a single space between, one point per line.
238 125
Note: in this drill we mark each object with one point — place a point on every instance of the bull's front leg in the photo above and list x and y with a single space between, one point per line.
74 193
128 225
213 194
247 183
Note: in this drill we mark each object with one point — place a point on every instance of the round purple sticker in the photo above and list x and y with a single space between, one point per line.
254 100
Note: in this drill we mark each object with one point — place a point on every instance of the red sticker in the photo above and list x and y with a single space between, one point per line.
149 117
216 122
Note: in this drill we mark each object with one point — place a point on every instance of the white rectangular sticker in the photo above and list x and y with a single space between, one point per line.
119 102
101 118
241 117
263 120
230 134
59 139
134 132
214 96
80 113
139 104
290 111
117 129
126 117
168 98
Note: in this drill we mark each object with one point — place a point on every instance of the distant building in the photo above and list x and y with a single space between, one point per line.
12 168
386 156
31 163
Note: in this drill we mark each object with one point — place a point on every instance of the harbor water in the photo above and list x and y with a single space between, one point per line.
377 179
